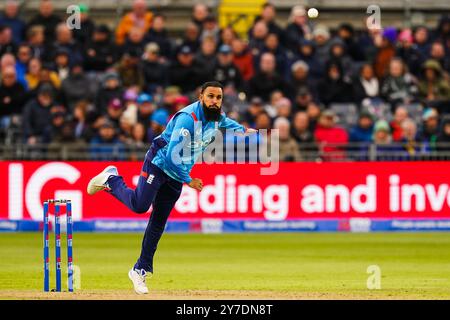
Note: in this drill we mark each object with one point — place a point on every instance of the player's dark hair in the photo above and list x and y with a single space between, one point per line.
215 84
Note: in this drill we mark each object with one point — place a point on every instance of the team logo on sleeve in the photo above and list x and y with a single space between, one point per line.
184 132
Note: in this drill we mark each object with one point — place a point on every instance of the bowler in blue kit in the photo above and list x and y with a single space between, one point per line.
166 167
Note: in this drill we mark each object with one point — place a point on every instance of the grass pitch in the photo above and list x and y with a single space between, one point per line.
238 266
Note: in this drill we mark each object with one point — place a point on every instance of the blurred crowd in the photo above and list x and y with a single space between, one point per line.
94 85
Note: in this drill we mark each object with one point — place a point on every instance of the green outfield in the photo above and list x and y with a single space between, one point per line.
240 266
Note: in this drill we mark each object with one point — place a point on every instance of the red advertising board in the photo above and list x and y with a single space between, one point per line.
390 190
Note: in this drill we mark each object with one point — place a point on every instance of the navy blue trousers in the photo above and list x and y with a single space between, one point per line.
155 188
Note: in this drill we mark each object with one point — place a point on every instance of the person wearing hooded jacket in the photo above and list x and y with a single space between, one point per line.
334 88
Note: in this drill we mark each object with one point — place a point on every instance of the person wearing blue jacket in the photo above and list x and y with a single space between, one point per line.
166 167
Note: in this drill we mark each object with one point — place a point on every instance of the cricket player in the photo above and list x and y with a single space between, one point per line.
163 174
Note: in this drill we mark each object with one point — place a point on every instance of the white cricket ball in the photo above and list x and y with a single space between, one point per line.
313 13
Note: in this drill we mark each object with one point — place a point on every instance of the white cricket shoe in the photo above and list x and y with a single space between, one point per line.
138 279
98 183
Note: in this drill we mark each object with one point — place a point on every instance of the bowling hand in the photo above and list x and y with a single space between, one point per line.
197 184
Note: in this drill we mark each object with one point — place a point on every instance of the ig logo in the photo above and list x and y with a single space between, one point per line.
74 20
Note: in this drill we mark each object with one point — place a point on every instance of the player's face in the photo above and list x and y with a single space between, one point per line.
211 100
212 97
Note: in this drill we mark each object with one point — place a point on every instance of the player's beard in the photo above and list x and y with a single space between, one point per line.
211 114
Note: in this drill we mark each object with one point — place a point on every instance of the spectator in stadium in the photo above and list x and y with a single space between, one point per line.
64 40
313 110
443 140
438 53
210 29
130 71
433 87
46 18
159 34
442 32
77 86
258 34
384 149
36 40
12 94
275 97
268 16
330 137
255 107
301 130
283 108
298 28
191 37
400 115
289 149
83 33
179 103
303 98
140 17
366 85
321 40
36 114
146 107
138 136
158 122
100 53
6 41
53 131
47 76
399 87
226 72
338 54
200 12
272 45
24 56
135 42
206 57
334 88
34 76
156 73
106 143
9 60
381 133
138 141
82 130
66 138
169 96
410 139
110 89
243 59
346 33
429 128
307 52
263 121
408 52
300 79
227 35
186 73
385 44
266 80
10 18
114 111
62 64
422 41
363 130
